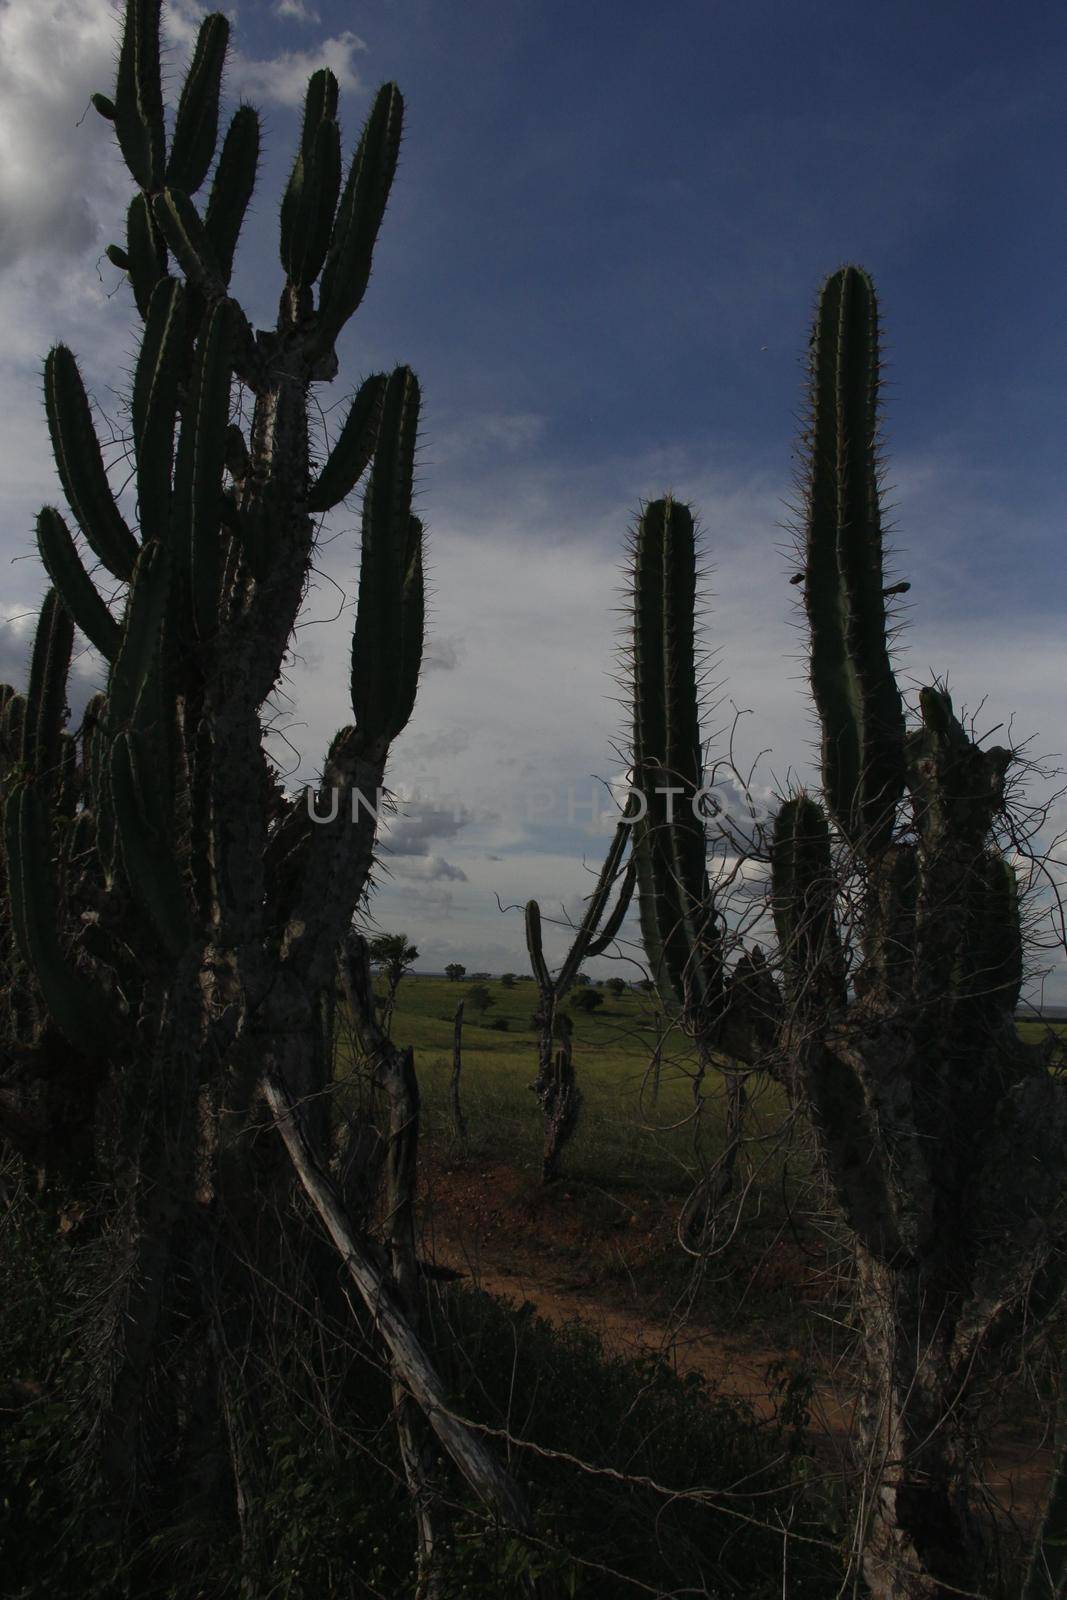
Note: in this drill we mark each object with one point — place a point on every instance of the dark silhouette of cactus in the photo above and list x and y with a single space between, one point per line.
942 1135
172 921
678 922
852 681
556 1084
728 1012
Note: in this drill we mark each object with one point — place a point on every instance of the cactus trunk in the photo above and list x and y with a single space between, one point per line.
172 919
943 1137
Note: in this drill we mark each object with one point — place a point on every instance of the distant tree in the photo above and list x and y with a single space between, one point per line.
454 971
647 985
508 980
616 986
481 977
392 956
479 998
582 978
586 1000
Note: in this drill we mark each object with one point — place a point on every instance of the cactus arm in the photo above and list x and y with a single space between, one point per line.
535 946
81 465
387 638
142 628
155 405
320 101
310 199
582 949
201 463
46 701
803 906
189 242
673 893
231 188
76 588
386 653
851 675
74 1005
337 862
146 254
412 629
347 268
138 104
196 126
618 914
354 447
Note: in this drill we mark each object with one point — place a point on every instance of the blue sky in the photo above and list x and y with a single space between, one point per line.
601 256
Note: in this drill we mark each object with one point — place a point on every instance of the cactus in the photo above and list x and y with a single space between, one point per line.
353 448
678 921
80 465
729 1014
167 913
556 1084
852 680
803 905
943 1137
196 126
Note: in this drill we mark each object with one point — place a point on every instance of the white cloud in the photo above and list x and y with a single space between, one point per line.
283 80
56 177
425 869
295 11
280 80
501 433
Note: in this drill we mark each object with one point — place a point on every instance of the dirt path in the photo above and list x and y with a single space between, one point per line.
732 1365
511 1257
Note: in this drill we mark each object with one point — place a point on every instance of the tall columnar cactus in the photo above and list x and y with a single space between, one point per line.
944 1138
852 680
678 922
172 920
730 1012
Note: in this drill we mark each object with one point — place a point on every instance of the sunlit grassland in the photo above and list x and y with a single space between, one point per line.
632 1132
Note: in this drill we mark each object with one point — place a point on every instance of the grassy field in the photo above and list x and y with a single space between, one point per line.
634 1132
629 1132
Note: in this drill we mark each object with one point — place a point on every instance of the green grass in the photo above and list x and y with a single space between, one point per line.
624 1136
